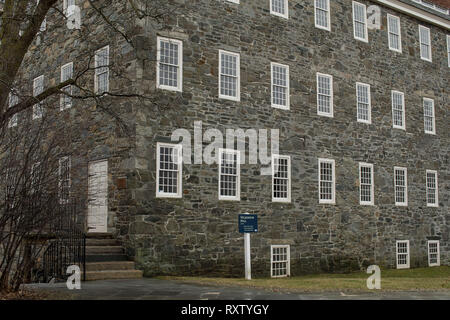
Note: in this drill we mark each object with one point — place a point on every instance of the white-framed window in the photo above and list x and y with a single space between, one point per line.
327 181
229 174
429 116
169 70
401 186
434 255
38 88
234 1
280 261
35 176
366 184
448 50
66 74
432 188
279 8
394 33
364 104
281 178
324 95
64 180
43 25
280 86
402 253
13 100
425 43
68 7
322 14
360 22
102 70
169 170
229 76
398 110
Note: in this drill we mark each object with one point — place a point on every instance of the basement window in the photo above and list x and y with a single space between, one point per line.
279 8
169 170
394 33
324 95
402 254
398 110
429 116
322 14
434 256
425 43
66 74
38 88
229 75
401 186
327 181
432 188
360 22
102 70
363 111
281 176
229 174
366 188
170 64
280 86
280 261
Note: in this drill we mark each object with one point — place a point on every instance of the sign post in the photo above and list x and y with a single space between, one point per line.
248 223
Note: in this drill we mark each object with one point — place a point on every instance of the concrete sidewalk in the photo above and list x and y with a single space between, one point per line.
155 289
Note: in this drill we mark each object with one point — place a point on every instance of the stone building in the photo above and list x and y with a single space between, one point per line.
359 94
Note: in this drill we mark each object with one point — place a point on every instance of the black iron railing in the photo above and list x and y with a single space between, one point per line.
67 246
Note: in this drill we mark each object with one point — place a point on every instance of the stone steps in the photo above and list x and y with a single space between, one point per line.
113 274
105 259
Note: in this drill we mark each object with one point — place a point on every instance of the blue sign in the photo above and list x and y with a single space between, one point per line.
248 223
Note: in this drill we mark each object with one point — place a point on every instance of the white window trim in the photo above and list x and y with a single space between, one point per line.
366 34
372 186
434 116
286 15
14 121
62 105
179 88
238 174
233 1
429 44
402 266
177 147
436 192
61 200
288 199
238 72
438 263
333 190
403 127
288 90
328 17
66 8
97 70
399 50
448 50
405 170
320 113
370 103
39 104
288 264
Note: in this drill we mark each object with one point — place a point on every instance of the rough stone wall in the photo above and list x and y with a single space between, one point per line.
198 234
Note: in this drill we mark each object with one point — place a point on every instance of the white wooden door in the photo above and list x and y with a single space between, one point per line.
98 197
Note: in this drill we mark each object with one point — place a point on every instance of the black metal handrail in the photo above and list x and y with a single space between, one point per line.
68 246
